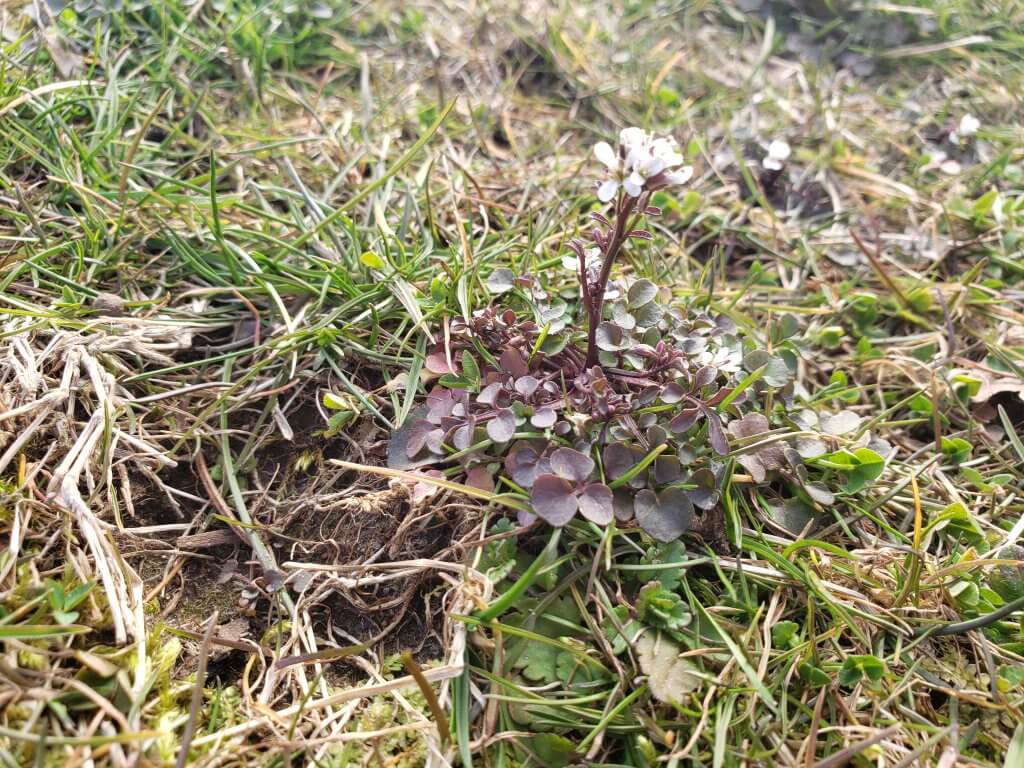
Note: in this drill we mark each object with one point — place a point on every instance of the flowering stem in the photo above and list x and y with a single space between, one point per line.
593 295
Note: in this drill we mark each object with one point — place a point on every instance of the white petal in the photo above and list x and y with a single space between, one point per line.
681 176
969 125
607 190
632 137
652 165
634 184
672 159
771 164
779 150
606 155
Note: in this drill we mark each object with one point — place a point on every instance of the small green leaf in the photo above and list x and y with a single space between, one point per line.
784 634
659 607
372 260
857 668
956 449
813 676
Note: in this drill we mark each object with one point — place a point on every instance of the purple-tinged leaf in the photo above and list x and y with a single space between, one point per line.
705 376
500 281
750 425
640 293
672 393
421 491
618 460
649 394
437 362
753 465
571 465
666 517
463 437
418 434
513 362
810 447
526 385
398 454
435 441
600 217
544 418
501 428
553 499
440 403
667 470
522 464
622 504
820 493
641 234
656 435
609 337
596 503
643 421
489 394
716 433
685 419
719 396
480 477
725 324
525 518
652 210
563 428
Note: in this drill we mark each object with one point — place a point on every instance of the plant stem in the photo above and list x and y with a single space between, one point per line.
594 295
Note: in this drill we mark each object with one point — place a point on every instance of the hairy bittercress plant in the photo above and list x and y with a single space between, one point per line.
622 419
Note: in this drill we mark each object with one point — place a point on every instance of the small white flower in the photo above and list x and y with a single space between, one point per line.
778 153
642 162
969 126
608 156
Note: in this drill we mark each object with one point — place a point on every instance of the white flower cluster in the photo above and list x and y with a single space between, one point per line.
778 152
641 162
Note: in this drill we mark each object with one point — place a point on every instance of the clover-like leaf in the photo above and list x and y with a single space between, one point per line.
706 494
640 293
705 376
489 394
622 504
523 463
503 426
544 417
776 373
596 503
462 438
766 458
553 499
820 493
480 477
610 337
810 447
841 423
672 393
571 464
513 363
791 514
664 517
500 281
526 385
